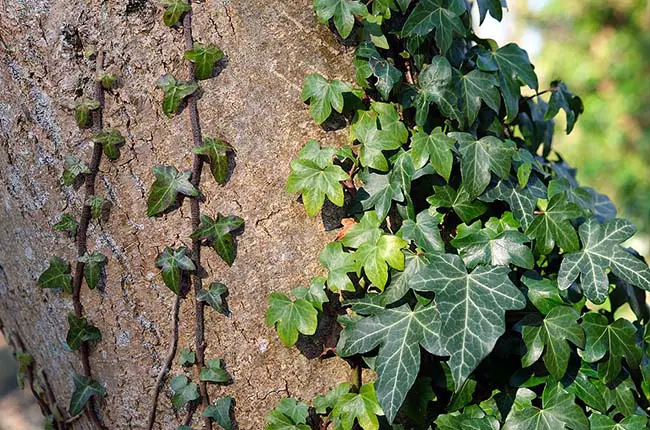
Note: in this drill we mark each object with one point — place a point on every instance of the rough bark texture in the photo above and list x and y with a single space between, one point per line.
45 65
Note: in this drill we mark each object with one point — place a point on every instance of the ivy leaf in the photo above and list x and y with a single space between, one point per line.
186 358
472 307
479 158
174 92
464 206
603 422
315 176
173 262
617 340
362 407
550 336
522 202
111 141
401 281
108 80
386 73
374 256
435 86
398 332
220 411
214 297
435 148
554 225
217 152
297 411
25 362
74 168
290 317
80 331
165 189
93 268
328 401
57 275
542 292
82 112
588 388
474 87
323 95
279 421
214 372
578 195
424 232
315 294
524 162
366 230
338 264
601 250
378 193
84 389
67 223
441 15
493 6
204 57
514 69
558 411
562 98
343 12
218 233
98 206
185 391
174 9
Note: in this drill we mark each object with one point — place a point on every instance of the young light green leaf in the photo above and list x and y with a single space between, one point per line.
74 168
84 389
217 152
214 372
174 10
554 225
67 223
328 401
297 411
57 275
174 92
111 141
186 357
98 206
93 268
173 262
362 407
338 264
108 80
398 332
219 234
221 412
166 188
562 98
343 12
290 317
472 307
601 249
315 294
80 331
185 391
375 257
323 95
204 58
82 112
214 297
465 207
441 15
279 421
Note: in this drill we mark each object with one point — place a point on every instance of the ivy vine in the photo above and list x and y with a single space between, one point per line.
478 280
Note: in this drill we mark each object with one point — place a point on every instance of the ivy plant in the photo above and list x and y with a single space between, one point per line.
474 275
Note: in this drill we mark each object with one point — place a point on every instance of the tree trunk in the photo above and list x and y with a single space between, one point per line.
47 63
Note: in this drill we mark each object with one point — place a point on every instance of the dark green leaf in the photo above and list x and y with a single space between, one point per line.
173 262
220 411
493 6
386 73
82 112
93 268
522 202
464 206
543 293
74 168
67 223
57 275
174 93
204 58
435 86
214 372
111 141
80 331
378 193
435 148
98 205
562 98
441 15
424 231
603 422
217 152
84 389
186 357
338 263
184 390
343 12
218 233
553 225
214 297
165 189
474 87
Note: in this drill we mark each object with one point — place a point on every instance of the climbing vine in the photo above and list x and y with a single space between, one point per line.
181 266
478 280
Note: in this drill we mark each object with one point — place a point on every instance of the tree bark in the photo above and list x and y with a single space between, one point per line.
46 63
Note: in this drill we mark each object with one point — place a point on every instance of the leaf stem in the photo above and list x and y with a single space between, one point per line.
548 90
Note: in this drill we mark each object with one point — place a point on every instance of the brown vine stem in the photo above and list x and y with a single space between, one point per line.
82 231
195 214
167 365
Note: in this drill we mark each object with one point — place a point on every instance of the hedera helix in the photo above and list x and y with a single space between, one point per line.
89 266
479 281
181 265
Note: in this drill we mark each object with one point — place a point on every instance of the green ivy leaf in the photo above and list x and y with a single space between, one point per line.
172 262
551 335
323 96
84 389
80 331
214 372
315 294
554 225
343 12
441 15
616 340
67 223
602 250
464 206
562 98
472 307
25 362
74 168
474 87
165 189
174 92
108 80
543 293
221 412
495 7
186 358
204 57
297 411
98 205
316 178
338 264
82 112
279 421
111 141
437 148
398 332
378 193
217 152
362 407
374 256
603 422
588 388
328 401
185 391
435 86
522 202
290 317
424 232
57 275
386 73
214 297
174 10
93 268
218 233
